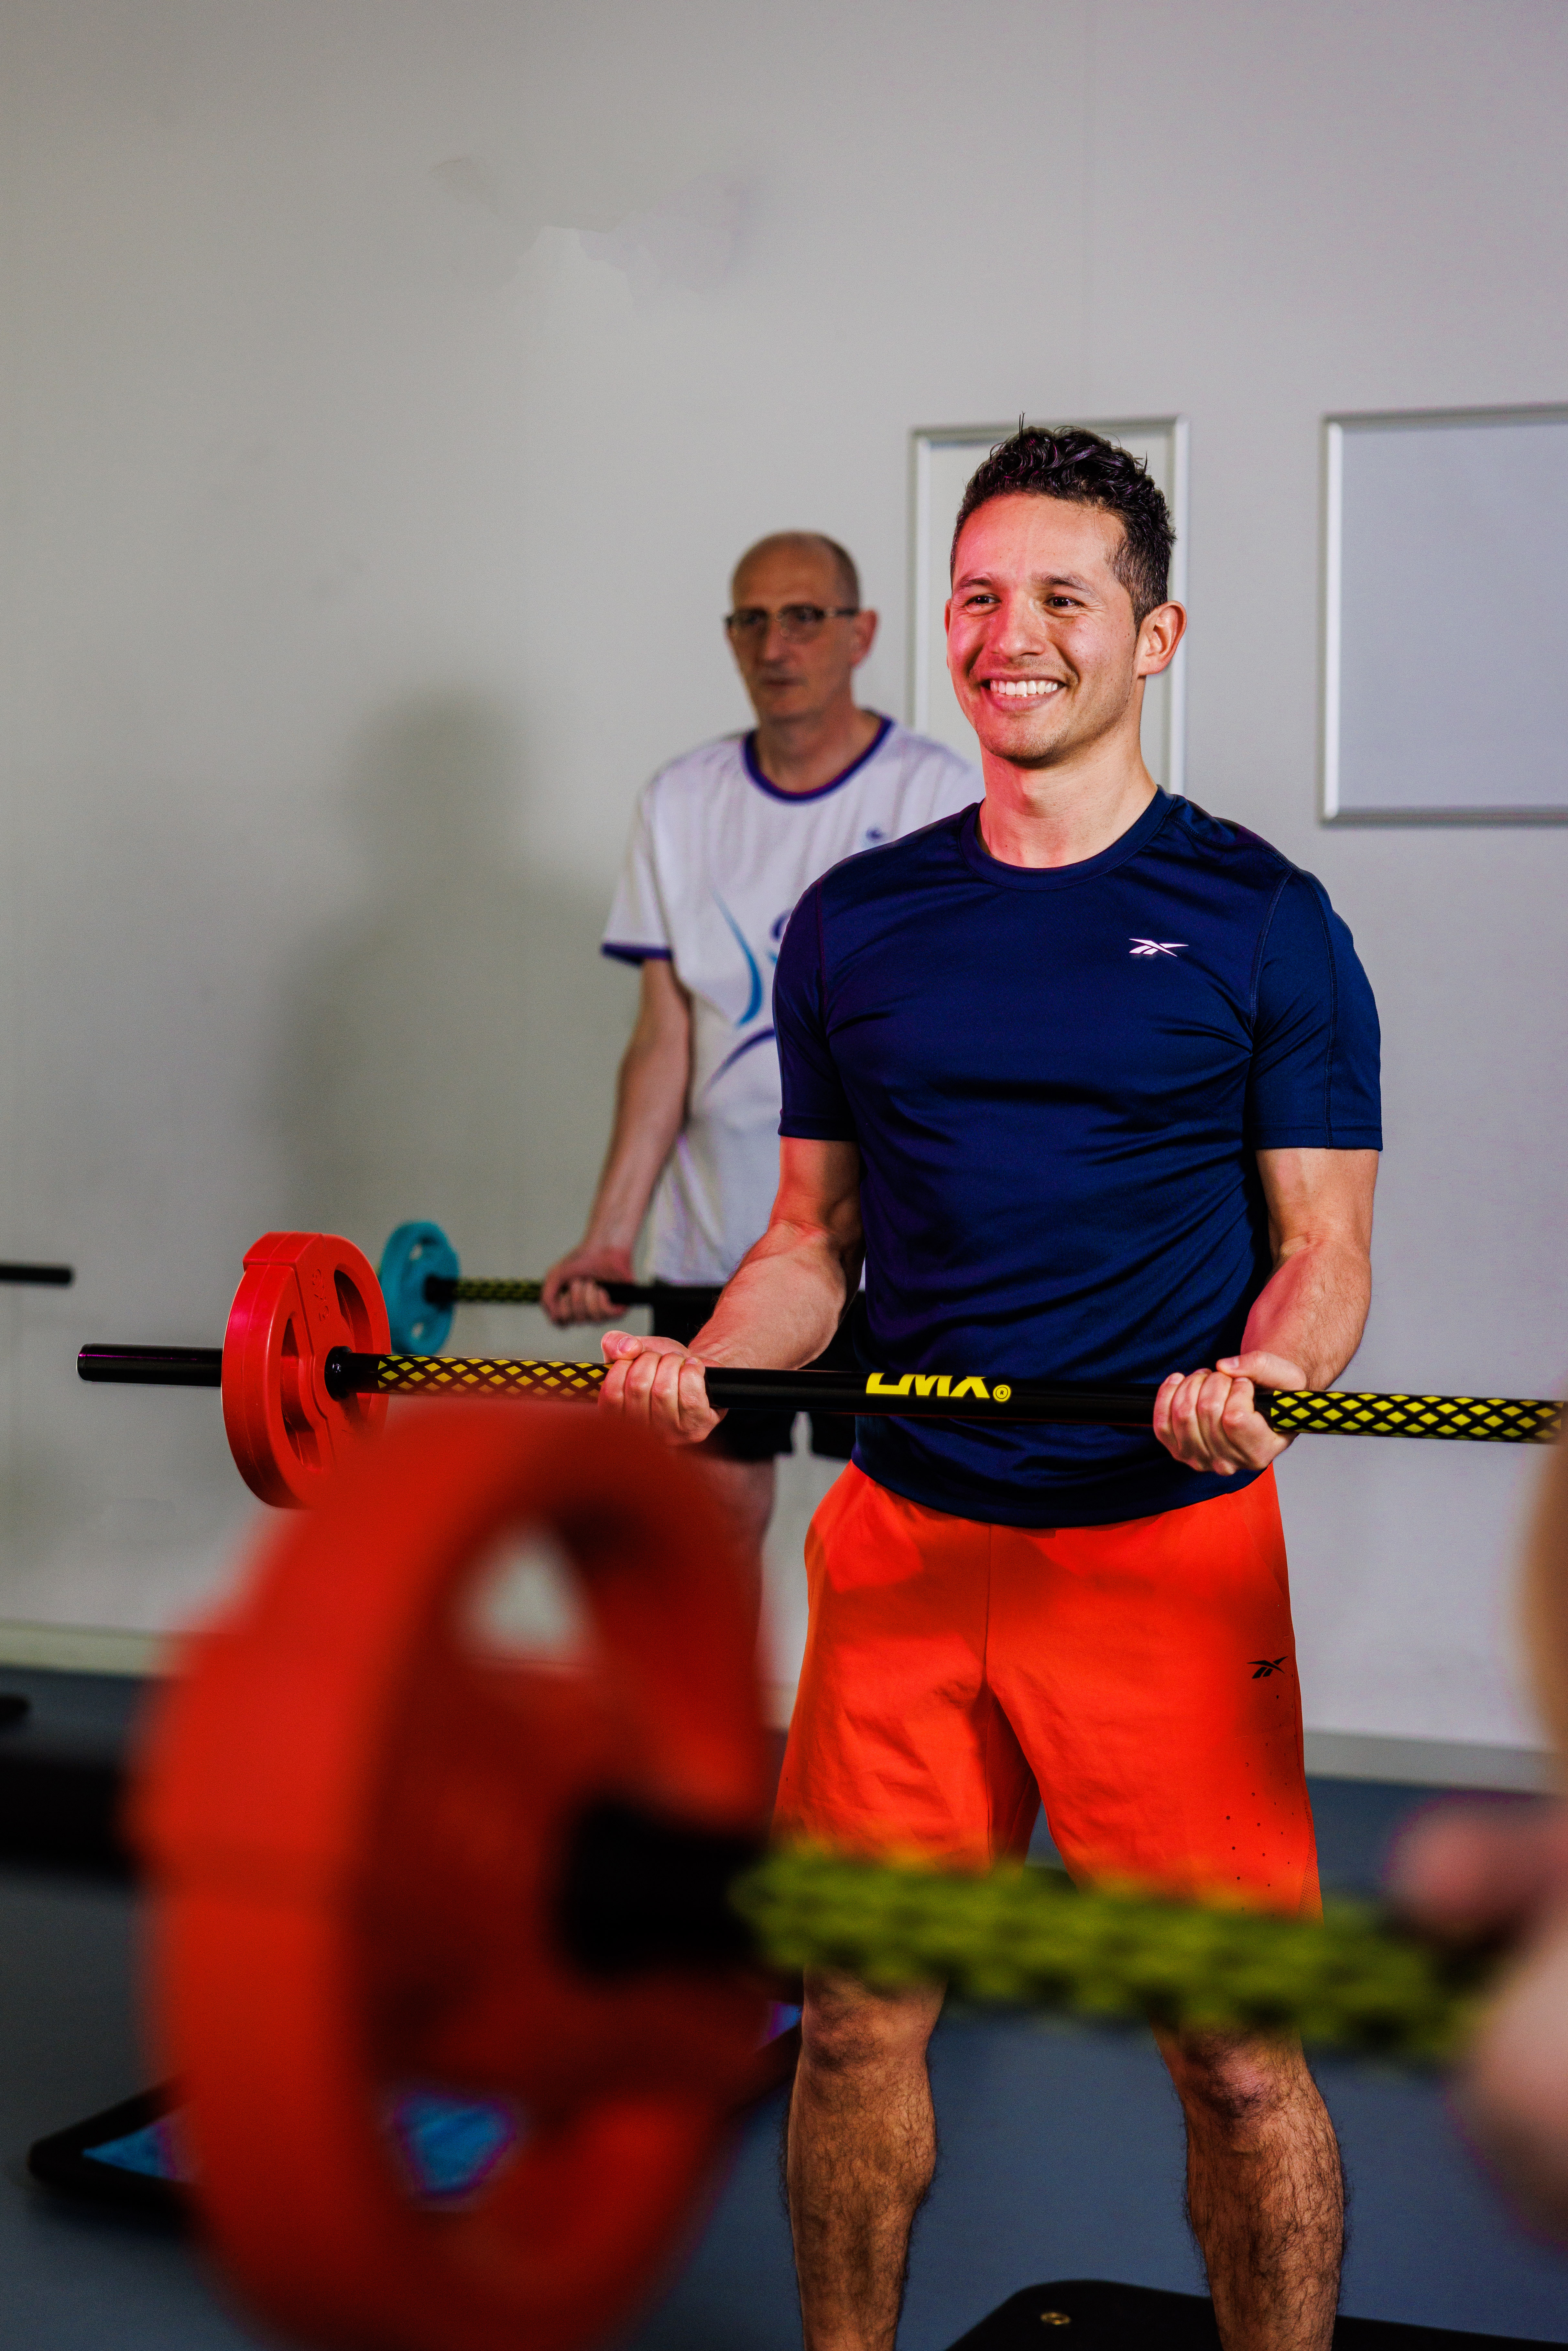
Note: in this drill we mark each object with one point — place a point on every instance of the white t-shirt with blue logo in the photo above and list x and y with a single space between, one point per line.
718 858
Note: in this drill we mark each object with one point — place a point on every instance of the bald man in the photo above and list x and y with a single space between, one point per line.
725 839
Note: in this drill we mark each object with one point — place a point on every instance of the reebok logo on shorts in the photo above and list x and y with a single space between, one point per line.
1264 1666
1156 947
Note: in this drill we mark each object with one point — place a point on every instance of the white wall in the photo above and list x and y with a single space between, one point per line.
390 388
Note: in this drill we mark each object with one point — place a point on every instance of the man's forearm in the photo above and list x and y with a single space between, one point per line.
784 1302
650 1108
1313 1309
783 1305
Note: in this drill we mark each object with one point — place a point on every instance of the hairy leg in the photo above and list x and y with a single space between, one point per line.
1265 2190
744 1488
860 2155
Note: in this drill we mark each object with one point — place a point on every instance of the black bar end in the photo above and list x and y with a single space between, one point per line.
640 1893
152 1367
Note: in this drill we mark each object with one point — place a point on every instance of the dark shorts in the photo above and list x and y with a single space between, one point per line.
758 1435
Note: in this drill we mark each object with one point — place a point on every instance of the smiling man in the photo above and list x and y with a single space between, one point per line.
1091 1078
725 839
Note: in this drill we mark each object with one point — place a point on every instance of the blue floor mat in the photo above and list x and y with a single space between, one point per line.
450 2145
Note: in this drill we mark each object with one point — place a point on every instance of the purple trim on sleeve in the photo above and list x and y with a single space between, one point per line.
748 752
621 953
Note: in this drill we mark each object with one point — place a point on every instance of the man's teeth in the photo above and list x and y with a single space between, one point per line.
1024 689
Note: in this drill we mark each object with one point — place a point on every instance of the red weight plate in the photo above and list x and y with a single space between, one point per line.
301 1294
354 1813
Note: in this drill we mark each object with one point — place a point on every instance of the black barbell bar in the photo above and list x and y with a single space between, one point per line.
907 1395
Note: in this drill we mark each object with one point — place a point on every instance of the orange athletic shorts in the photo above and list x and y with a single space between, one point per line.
1140 1679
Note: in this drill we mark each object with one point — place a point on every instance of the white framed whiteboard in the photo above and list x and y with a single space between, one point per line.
1445 685
942 458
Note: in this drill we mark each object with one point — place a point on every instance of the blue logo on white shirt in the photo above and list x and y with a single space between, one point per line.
754 990
754 1001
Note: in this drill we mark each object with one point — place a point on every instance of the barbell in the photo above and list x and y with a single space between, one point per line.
37 1277
386 1854
423 1281
306 1371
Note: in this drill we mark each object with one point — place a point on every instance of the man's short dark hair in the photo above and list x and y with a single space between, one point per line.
1084 469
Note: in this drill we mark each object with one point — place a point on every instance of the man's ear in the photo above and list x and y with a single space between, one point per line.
864 635
1160 635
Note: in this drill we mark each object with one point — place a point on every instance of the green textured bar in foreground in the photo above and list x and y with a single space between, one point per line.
1027 1938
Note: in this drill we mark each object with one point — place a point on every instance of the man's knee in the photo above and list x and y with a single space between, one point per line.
847 2029
1236 2086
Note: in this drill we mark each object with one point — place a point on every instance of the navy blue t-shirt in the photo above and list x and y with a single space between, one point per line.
1058 1079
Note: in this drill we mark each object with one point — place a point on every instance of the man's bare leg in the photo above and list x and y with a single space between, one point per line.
1264 2187
745 1490
861 2150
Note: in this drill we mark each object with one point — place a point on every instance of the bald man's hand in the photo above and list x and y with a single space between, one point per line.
1468 1875
1499 1875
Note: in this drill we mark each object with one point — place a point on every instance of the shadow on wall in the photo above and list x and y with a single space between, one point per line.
449 1052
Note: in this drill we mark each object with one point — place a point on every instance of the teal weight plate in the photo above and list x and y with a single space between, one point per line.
412 1254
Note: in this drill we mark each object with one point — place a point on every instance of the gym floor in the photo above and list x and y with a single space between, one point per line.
1060 2157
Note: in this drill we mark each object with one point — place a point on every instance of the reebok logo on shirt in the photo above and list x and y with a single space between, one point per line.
1156 947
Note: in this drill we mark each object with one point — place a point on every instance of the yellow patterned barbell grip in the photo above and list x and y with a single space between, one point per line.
1497 1420
471 1375
1332 1412
474 1290
470 1290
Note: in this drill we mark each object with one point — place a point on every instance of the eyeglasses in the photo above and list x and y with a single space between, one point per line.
797 623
